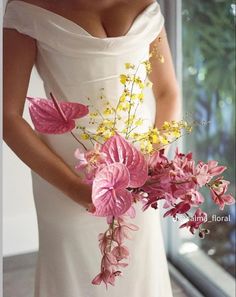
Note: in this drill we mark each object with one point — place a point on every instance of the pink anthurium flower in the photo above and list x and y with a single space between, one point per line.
120 150
109 194
52 117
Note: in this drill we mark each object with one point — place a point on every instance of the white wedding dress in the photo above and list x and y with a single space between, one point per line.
75 65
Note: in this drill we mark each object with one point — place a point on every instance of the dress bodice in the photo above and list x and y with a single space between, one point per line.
75 65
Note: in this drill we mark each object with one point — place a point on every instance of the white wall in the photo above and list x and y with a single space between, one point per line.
20 234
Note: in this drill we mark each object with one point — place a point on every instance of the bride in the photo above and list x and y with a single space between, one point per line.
79 47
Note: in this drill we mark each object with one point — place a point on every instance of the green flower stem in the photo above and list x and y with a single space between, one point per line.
131 93
78 140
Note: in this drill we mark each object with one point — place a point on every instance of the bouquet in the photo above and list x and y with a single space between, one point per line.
125 167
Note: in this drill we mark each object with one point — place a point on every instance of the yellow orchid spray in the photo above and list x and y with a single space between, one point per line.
126 110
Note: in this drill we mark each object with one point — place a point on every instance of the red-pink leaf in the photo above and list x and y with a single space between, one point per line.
109 193
120 150
47 118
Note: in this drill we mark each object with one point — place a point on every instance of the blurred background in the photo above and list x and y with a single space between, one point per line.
205 63
209 94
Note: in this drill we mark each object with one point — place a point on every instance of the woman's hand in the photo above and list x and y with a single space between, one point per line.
82 194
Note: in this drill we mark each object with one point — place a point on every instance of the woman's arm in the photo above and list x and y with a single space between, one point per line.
19 52
165 85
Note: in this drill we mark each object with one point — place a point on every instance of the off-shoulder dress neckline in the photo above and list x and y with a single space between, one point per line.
75 25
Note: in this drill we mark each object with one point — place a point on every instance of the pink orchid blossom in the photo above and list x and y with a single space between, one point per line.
53 117
113 251
120 252
158 183
90 162
123 231
214 169
107 277
104 241
205 172
218 190
178 179
199 218
180 208
193 197
202 175
156 160
183 163
103 276
109 259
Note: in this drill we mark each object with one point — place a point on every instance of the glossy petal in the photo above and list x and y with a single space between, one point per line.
109 193
52 117
120 150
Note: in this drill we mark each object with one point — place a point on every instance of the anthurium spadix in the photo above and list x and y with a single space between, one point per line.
109 194
53 117
118 149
